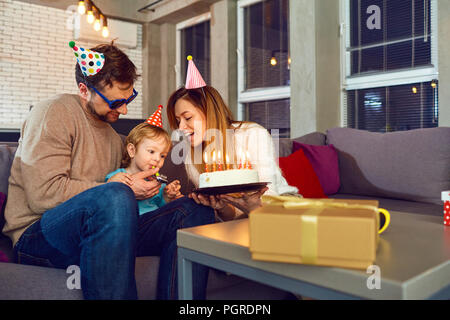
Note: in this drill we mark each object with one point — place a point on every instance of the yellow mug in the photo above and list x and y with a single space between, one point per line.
387 219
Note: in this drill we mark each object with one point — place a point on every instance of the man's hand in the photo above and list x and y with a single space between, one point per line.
122 177
143 188
172 191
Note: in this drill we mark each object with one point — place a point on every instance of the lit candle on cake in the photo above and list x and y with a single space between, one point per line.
205 157
249 165
219 160
214 161
240 159
228 161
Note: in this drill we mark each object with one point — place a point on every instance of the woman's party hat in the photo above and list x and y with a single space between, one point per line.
90 62
155 119
194 79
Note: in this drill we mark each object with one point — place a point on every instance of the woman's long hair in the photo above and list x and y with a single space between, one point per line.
218 119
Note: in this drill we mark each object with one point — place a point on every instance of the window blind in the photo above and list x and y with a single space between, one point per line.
195 41
394 108
266 34
266 68
404 42
274 114
398 36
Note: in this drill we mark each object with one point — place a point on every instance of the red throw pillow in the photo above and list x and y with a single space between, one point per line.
298 172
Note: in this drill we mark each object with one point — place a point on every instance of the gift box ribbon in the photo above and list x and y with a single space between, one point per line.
309 219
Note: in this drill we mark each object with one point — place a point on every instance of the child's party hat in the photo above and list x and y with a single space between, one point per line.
90 62
194 79
155 119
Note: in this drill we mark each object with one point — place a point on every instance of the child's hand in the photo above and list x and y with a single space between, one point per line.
122 177
172 191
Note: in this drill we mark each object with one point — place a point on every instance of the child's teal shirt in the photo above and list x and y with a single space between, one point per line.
149 204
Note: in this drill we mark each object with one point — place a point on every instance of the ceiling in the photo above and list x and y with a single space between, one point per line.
119 9
166 11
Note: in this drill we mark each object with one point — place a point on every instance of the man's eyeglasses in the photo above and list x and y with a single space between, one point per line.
118 102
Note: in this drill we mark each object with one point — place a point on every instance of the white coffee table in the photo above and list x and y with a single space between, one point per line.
413 257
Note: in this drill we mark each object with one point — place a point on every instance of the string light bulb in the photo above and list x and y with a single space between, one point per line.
81 7
90 16
414 90
273 61
105 31
433 84
97 25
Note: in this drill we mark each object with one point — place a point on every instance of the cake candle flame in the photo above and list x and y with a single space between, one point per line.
244 160
228 161
205 157
214 161
248 164
219 160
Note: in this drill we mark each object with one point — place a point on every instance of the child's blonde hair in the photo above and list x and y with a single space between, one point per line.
141 131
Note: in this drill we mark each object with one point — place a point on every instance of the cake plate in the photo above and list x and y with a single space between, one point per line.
235 188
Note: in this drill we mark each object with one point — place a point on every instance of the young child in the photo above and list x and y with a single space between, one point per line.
146 147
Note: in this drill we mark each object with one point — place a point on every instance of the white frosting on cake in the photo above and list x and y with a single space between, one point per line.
228 178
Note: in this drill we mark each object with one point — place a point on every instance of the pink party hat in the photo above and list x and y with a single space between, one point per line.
91 62
194 79
155 119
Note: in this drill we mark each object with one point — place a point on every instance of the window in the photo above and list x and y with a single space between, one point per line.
264 63
391 81
193 38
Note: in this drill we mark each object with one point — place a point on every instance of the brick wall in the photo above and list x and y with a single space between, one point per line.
36 61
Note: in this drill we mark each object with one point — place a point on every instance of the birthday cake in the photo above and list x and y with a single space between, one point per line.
228 178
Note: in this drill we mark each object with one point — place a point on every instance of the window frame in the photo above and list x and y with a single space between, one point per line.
255 94
385 79
179 27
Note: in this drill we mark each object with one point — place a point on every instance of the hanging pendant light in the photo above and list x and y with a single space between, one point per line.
81 7
105 31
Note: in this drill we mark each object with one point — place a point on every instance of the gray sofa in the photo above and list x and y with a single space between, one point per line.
405 171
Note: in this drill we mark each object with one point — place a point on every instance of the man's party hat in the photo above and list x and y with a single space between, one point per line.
194 79
155 119
90 62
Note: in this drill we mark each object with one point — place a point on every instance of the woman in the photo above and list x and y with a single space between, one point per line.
201 114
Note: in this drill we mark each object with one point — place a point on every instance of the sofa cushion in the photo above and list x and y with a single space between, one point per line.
298 172
174 169
2 215
6 247
23 282
284 147
397 205
314 138
324 160
6 158
411 165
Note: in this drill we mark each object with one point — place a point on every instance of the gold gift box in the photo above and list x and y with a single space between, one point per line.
326 232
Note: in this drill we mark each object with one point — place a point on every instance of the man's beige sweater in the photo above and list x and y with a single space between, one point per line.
63 150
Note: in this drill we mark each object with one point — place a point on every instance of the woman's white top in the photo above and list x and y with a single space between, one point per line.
258 143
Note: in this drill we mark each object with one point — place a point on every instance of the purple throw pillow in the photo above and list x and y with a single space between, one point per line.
324 160
3 257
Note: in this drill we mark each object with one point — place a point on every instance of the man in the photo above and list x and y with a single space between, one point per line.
59 210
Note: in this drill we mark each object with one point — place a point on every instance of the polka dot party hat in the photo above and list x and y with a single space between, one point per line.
156 119
194 79
90 62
